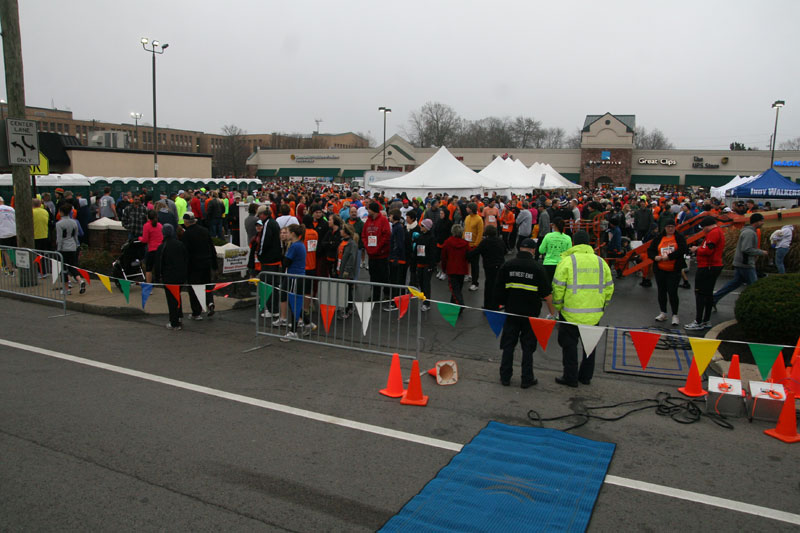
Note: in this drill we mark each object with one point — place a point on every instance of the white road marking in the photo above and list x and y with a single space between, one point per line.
644 486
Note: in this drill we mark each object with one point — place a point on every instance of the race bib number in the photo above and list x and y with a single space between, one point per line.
372 240
420 250
506 227
468 236
667 250
312 245
491 219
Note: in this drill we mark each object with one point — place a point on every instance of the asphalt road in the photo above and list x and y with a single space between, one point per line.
87 448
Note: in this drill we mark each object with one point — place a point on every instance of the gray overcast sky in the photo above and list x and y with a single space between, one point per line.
704 72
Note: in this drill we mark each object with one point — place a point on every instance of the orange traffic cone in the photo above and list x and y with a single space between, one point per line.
394 385
413 396
694 385
796 355
733 370
793 383
786 430
778 372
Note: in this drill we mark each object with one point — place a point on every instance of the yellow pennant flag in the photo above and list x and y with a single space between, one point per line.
254 281
417 294
703 351
105 281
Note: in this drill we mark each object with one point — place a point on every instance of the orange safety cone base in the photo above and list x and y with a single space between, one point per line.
405 401
392 393
785 438
786 430
414 396
394 385
688 391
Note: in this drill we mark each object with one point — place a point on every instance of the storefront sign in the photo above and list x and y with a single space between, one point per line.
309 158
787 163
775 192
589 163
667 162
235 260
698 163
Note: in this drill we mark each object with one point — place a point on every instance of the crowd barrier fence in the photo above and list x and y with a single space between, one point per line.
33 274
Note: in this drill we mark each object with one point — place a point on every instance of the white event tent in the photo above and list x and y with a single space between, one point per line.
719 192
549 178
440 173
496 176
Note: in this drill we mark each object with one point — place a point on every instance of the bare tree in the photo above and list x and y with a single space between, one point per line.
526 131
232 159
791 144
435 124
574 140
371 142
654 140
553 138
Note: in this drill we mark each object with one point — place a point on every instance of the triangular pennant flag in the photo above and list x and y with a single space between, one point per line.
296 304
590 335
364 313
645 342
175 290
85 275
327 312
105 281
254 281
147 288
704 350
220 286
496 321
38 261
542 328
765 356
125 287
264 292
200 294
55 269
417 294
402 303
449 312
12 254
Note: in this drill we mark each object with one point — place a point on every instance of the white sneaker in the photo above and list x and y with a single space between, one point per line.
675 320
661 317
309 328
693 326
176 328
290 336
280 322
266 314
467 278
473 287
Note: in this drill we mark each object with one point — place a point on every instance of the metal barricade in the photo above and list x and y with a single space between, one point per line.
356 311
34 274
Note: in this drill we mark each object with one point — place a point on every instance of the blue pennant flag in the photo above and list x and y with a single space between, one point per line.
496 321
147 288
296 305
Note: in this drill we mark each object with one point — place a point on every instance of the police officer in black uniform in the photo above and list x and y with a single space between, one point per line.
521 286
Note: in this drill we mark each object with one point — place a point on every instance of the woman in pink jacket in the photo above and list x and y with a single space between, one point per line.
153 237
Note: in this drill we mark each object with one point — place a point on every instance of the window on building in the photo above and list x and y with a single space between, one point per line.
52 126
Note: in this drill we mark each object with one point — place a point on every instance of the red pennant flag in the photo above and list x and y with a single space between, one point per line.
220 286
542 328
327 314
38 259
176 293
84 275
402 303
644 342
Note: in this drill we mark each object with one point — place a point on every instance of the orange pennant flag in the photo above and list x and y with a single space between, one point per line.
176 293
327 314
84 275
542 328
402 303
220 286
644 342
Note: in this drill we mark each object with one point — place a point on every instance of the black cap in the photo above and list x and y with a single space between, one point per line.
756 217
708 221
528 243
580 237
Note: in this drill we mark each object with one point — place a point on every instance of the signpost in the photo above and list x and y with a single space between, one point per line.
23 142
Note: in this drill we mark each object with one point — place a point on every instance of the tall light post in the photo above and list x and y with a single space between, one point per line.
777 105
384 110
155 48
3 108
136 117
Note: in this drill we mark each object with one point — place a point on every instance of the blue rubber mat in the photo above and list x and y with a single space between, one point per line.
511 478
671 359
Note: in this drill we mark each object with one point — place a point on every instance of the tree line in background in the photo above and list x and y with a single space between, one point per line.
438 124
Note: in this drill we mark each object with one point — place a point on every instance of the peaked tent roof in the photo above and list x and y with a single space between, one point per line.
769 184
496 175
441 173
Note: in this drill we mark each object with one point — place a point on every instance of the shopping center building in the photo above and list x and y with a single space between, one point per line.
607 156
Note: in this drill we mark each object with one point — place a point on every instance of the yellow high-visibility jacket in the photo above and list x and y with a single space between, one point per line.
582 285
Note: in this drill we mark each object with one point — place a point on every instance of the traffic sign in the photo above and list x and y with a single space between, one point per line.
23 142
43 168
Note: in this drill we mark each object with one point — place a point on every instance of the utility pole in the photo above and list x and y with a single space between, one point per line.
15 89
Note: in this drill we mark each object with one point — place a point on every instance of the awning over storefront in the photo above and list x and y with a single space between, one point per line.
655 179
574 177
350 173
703 180
307 172
265 172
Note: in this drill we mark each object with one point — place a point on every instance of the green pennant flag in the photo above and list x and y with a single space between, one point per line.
12 254
125 287
264 291
449 312
765 356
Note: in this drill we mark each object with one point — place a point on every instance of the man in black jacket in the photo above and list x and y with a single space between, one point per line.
202 260
521 286
269 255
170 268
493 250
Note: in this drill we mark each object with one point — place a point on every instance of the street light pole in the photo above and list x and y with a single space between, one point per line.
384 110
136 117
155 48
777 105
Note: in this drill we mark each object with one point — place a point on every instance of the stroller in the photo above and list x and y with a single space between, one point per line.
129 264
